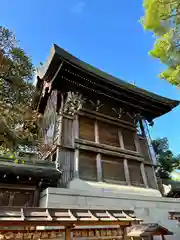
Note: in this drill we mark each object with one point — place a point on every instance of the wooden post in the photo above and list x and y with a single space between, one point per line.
137 143
76 152
155 177
76 127
36 196
142 128
96 132
67 233
98 156
143 175
126 171
121 142
59 138
76 163
99 167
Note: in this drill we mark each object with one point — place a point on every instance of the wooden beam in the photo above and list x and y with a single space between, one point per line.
107 119
34 230
108 147
105 116
17 186
108 152
126 171
63 223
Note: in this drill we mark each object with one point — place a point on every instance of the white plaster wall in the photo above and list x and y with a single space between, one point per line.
151 209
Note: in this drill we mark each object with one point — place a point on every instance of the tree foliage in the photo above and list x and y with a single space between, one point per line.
163 18
18 122
166 160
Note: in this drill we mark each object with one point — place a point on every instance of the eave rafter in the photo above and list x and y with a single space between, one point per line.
92 80
137 110
107 87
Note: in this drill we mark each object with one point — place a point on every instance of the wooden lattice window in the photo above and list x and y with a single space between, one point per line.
135 173
87 166
150 175
108 134
113 169
86 128
129 139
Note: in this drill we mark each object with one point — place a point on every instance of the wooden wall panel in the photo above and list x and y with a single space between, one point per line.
144 149
49 121
135 173
16 197
66 162
128 139
67 132
87 166
150 175
112 169
86 128
108 134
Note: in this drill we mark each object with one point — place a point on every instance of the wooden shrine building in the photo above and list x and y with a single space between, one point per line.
101 183
95 124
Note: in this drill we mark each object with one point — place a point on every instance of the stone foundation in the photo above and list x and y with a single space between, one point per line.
152 209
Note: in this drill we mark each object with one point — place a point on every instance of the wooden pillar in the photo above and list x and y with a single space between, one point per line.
137 143
76 163
36 196
125 237
96 132
99 167
67 233
142 128
148 143
143 175
76 151
98 156
121 142
76 127
126 171
155 177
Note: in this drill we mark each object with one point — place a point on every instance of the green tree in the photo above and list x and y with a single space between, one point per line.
17 119
166 160
162 17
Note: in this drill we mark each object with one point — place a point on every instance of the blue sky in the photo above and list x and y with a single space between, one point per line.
104 33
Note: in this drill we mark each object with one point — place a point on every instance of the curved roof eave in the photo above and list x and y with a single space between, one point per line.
57 52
